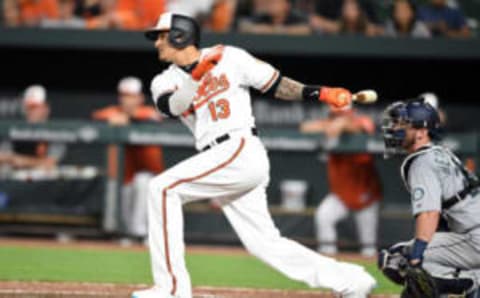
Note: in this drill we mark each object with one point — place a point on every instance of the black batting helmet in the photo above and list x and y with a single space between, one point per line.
182 30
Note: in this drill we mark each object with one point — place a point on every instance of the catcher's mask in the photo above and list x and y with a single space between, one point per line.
182 30
399 116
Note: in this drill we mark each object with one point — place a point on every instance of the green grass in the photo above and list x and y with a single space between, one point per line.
117 266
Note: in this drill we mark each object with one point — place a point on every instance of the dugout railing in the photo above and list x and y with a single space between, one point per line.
293 156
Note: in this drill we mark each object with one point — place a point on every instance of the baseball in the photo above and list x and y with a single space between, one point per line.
365 96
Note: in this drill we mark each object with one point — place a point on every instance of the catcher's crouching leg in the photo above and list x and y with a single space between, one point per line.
458 286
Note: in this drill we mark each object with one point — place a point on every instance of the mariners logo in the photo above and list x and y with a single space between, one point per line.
418 193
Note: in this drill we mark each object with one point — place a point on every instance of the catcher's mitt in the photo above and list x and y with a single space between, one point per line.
419 284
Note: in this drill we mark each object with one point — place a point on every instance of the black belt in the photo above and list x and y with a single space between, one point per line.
460 196
224 138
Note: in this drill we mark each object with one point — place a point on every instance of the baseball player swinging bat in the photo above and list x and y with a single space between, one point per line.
209 90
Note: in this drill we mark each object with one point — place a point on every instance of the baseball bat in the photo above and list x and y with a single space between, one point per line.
365 96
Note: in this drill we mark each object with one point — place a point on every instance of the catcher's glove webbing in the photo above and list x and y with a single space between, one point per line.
419 284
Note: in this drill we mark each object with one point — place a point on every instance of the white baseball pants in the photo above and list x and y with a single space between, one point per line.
331 210
235 172
134 204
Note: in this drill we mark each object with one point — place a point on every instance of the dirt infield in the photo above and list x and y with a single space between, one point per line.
15 289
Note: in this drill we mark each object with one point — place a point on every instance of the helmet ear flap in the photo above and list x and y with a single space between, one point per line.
184 32
176 37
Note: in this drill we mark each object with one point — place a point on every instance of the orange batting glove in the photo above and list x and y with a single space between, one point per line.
207 63
336 97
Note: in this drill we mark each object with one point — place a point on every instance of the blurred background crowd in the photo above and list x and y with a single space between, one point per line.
415 18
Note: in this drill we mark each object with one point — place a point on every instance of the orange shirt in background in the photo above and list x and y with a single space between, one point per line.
146 11
150 10
33 11
138 158
353 177
222 16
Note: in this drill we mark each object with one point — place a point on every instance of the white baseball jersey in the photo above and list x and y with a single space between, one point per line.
236 174
222 103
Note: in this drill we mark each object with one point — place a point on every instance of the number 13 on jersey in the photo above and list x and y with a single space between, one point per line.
219 109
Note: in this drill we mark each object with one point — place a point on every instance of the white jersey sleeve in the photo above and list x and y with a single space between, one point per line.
169 81
425 186
253 72
162 84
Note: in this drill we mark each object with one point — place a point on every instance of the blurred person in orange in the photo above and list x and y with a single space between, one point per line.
33 154
147 11
275 17
66 17
222 16
141 161
354 183
213 15
29 12
111 14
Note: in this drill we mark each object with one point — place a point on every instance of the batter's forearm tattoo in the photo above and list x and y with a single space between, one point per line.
289 89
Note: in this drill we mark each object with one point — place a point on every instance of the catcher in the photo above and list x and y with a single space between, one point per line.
434 263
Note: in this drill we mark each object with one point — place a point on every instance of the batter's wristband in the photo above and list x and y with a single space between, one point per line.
418 249
311 92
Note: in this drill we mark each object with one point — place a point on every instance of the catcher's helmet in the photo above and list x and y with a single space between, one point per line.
417 114
182 30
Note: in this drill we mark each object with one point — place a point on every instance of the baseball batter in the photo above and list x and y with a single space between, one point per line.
440 187
208 89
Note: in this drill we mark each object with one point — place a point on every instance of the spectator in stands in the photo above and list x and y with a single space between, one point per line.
353 20
10 13
222 16
275 17
403 21
141 161
109 14
353 180
214 15
29 12
87 9
330 16
121 14
443 20
33 154
147 11
66 18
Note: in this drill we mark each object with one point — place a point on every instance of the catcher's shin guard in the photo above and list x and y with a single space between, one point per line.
459 286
